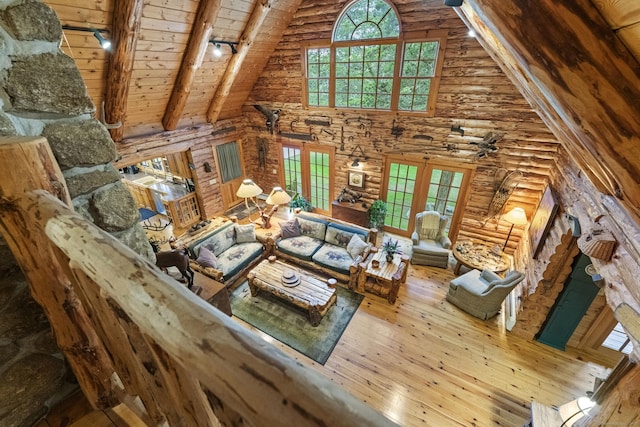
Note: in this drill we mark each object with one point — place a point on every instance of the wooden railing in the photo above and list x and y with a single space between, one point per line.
134 335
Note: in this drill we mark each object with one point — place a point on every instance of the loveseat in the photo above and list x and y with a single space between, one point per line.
324 244
227 253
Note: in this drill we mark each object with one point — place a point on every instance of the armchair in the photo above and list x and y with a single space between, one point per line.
430 245
481 293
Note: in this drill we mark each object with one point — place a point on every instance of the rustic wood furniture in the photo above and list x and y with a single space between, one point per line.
190 237
480 256
384 280
312 293
215 293
351 276
350 212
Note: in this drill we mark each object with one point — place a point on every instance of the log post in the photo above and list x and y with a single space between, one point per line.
49 285
126 25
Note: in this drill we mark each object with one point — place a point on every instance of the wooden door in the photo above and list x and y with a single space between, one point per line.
228 157
571 305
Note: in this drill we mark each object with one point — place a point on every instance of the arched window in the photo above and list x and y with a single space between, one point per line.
370 64
367 19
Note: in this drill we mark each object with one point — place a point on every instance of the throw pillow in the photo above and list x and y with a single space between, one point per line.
356 246
245 233
206 258
290 228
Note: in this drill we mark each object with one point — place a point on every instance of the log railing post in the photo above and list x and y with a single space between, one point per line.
27 163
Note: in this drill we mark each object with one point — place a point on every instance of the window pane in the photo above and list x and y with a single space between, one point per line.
342 69
292 170
318 180
366 19
229 160
400 186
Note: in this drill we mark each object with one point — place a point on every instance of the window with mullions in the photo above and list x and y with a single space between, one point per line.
366 46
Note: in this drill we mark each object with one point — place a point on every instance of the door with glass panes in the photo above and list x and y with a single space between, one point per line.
306 170
414 186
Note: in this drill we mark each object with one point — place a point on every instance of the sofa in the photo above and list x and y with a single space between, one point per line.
227 253
325 245
481 293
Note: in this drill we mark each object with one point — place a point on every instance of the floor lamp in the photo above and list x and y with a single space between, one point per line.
248 190
515 216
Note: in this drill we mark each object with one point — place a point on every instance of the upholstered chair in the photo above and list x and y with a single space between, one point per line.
481 293
430 244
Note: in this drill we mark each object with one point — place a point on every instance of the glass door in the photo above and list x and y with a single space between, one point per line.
446 193
402 184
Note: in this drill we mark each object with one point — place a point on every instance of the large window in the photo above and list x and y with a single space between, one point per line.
374 65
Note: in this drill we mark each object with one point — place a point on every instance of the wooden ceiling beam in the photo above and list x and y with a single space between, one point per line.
196 48
258 15
578 76
125 27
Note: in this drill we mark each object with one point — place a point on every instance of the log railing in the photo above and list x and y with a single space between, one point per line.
136 336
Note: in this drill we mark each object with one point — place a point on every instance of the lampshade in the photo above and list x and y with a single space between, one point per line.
572 411
516 216
278 197
248 189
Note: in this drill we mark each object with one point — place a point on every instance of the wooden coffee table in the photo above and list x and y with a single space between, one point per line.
386 278
312 293
479 255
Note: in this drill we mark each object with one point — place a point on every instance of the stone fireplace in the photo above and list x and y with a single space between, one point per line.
42 94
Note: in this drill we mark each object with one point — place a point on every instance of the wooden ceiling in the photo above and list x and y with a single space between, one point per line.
159 32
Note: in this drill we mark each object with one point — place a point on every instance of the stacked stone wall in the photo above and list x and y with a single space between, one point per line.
43 94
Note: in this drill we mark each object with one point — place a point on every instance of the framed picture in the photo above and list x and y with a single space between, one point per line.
356 179
542 220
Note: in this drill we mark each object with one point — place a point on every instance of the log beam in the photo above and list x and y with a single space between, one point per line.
249 35
191 61
578 76
126 26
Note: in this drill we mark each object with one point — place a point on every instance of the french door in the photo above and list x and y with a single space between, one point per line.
306 170
414 186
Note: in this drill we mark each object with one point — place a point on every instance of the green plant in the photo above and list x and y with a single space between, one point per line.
299 201
390 248
377 213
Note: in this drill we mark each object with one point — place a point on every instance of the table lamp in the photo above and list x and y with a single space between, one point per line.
515 216
277 197
249 190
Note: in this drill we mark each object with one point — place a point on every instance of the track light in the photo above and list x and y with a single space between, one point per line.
104 43
218 52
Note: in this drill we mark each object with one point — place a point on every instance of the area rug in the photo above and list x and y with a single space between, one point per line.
240 211
405 244
290 325
146 213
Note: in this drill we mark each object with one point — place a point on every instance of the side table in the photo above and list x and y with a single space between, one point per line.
386 278
479 255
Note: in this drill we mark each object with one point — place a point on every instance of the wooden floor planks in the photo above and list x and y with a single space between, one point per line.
424 362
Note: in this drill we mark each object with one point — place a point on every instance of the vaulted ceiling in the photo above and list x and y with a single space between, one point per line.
161 73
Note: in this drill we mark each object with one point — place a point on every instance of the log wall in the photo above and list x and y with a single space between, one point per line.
474 94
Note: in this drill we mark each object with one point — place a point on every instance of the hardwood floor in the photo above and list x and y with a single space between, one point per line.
423 362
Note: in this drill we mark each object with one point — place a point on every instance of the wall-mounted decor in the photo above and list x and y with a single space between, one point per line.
542 220
356 179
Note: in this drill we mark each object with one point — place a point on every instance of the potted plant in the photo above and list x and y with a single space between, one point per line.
390 248
299 203
377 213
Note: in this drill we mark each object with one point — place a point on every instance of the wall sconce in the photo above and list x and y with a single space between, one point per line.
218 52
207 167
104 43
357 159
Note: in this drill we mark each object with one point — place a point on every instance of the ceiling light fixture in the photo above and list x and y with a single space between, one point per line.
218 52
97 33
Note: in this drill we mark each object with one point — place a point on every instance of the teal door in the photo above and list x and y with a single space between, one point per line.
571 305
